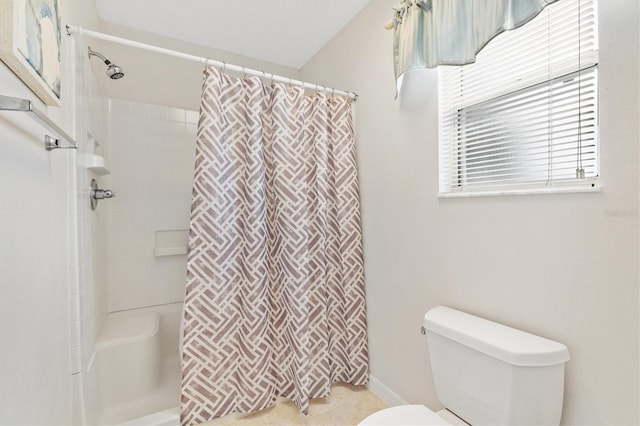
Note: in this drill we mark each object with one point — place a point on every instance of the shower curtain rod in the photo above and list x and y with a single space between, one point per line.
72 29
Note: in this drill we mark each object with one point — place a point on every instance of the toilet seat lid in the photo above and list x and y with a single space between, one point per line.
404 415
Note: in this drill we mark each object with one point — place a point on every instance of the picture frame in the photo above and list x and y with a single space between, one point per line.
30 39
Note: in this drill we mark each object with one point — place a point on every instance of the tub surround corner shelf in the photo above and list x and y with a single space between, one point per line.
93 162
137 364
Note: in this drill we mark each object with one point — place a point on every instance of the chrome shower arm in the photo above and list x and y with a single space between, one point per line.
99 55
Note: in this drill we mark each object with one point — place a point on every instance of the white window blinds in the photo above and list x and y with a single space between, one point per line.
525 115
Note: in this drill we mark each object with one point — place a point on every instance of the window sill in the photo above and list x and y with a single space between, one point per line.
591 187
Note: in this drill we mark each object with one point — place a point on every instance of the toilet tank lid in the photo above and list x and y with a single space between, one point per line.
512 346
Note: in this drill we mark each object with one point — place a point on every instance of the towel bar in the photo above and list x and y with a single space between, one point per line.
8 103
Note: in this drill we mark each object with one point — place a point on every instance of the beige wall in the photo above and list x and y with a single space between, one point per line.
44 273
160 79
561 266
34 296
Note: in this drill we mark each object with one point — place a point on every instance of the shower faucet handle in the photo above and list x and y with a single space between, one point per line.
99 194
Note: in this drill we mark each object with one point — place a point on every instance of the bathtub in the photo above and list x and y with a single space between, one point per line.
138 366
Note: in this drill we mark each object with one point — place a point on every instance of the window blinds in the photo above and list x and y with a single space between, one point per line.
525 114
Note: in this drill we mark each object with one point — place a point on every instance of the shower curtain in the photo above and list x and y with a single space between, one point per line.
275 303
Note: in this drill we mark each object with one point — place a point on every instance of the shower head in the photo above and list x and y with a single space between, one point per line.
114 72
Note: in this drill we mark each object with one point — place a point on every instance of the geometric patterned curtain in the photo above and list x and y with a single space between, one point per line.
275 303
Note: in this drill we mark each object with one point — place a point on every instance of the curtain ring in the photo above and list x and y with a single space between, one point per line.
244 73
224 66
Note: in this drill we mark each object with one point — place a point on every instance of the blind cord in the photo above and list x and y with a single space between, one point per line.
579 169
549 104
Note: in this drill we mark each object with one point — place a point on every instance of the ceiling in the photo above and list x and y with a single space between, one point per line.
285 32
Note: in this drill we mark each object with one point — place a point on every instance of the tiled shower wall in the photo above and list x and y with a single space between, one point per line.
87 304
150 152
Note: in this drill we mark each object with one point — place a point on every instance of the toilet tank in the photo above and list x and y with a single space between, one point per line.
490 374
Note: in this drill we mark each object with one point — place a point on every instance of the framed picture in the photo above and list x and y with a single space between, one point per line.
30 44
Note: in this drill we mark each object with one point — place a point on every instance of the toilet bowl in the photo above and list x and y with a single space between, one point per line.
486 373
412 415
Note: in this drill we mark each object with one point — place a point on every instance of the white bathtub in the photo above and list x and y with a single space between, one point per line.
138 367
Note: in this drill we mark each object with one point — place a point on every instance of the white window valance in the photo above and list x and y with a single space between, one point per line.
428 33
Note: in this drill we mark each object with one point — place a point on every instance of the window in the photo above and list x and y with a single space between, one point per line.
524 116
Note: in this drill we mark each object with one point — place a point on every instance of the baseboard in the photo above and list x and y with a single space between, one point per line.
385 393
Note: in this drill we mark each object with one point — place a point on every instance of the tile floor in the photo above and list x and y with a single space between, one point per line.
346 406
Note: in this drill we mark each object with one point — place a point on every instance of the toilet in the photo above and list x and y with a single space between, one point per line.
485 373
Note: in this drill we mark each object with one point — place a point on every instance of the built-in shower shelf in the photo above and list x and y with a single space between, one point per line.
170 242
169 251
93 162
